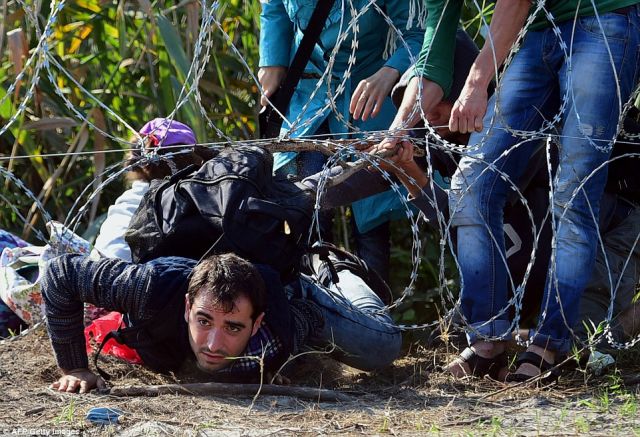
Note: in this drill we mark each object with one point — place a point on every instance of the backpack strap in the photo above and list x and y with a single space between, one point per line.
112 334
269 119
323 249
335 259
126 336
131 335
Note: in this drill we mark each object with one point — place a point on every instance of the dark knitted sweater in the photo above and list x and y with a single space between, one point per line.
151 295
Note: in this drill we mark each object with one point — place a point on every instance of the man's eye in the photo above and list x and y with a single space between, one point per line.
234 328
203 322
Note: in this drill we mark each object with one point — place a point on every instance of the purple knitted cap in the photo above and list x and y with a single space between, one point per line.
163 132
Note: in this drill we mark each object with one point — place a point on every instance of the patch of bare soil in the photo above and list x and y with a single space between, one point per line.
414 397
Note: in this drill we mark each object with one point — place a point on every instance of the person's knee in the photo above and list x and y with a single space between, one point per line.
390 351
575 223
385 352
464 196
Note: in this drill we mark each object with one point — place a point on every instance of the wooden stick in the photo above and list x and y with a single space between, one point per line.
216 388
327 147
352 168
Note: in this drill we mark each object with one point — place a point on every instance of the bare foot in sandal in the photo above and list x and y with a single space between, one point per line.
482 358
533 362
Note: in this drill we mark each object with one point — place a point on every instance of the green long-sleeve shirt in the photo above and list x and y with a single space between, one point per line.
563 10
435 61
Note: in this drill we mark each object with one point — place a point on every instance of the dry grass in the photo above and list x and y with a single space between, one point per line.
413 397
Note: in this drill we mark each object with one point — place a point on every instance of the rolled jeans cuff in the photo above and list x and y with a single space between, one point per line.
496 328
561 345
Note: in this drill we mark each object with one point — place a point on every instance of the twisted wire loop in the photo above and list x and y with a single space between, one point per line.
44 61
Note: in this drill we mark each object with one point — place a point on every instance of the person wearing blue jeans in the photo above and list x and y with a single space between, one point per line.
234 320
575 78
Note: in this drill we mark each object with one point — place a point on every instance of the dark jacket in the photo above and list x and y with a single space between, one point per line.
152 297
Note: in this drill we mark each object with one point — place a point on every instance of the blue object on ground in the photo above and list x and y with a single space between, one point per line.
104 415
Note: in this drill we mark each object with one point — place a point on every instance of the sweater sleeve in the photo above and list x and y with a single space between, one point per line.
436 57
276 34
404 55
363 183
71 280
431 203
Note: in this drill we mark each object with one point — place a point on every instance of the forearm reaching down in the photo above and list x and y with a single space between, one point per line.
469 109
71 280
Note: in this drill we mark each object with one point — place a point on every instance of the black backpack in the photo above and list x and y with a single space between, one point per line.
231 204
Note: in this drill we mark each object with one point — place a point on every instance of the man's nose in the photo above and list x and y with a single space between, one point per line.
215 340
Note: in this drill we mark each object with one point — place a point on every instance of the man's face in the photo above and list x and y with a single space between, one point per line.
439 117
215 335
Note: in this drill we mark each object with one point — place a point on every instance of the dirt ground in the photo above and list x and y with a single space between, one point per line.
414 397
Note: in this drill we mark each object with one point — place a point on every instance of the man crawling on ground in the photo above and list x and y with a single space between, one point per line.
233 319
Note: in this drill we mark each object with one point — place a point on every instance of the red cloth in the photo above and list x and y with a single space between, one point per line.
98 330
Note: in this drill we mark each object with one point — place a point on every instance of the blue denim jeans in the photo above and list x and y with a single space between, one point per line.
531 92
355 322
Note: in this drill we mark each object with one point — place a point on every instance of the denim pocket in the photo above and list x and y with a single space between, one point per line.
610 25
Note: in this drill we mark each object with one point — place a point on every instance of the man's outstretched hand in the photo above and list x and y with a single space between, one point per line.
469 110
369 95
78 380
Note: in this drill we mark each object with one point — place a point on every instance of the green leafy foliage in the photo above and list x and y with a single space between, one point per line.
132 56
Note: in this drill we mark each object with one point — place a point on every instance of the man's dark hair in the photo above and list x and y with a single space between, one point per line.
224 278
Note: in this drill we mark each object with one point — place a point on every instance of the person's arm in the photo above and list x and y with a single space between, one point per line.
408 51
110 240
435 62
432 203
370 93
406 168
468 111
276 35
270 79
433 72
361 184
71 280
420 92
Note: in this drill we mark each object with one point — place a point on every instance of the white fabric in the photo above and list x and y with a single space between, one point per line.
110 241
20 294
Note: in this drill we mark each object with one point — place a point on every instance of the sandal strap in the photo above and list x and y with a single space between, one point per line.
518 377
535 360
544 381
539 362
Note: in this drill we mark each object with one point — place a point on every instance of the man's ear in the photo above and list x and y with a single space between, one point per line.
257 323
187 308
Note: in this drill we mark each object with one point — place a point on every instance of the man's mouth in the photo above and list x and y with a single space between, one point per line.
213 358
